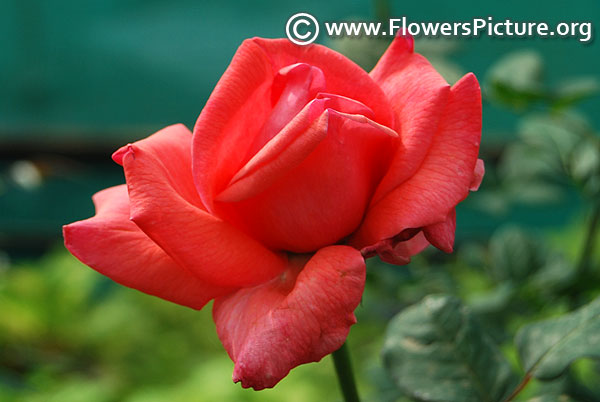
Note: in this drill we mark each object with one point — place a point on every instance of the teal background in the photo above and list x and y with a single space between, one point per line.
104 67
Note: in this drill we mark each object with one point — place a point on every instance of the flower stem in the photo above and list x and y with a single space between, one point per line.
343 369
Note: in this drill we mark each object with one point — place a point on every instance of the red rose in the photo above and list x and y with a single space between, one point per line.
301 164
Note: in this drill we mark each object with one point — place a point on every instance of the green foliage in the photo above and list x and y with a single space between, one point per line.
430 344
513 254
547 348
517 81
436 351
575 90
557 151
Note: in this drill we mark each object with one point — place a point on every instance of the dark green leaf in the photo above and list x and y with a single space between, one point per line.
557 272
513 254
493 301
436 351
547 348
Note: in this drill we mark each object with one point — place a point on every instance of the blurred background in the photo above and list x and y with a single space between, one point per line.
80 79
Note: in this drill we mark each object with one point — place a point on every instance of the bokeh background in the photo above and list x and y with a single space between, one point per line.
80 79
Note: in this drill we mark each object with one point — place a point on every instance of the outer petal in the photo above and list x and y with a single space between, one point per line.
114 246
441 235
231 119
418 95
444 178
397 250
477 175
296 318
322 199
242 101
400 253
164 206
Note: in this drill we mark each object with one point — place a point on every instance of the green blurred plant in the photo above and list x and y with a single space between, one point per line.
517 81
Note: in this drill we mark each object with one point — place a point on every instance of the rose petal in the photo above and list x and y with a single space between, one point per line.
441 235
242 102
418 95
171 147
158 173
293 87
290 147
444 178
346 105
230 120
343 76
284 152
477 175
114 246
323 198
299 317
399 253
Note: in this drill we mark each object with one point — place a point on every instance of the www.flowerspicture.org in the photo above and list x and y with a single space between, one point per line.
303 29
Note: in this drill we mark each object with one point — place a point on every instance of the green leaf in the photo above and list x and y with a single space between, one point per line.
435 350
558 134
516 79
585 160
557 272
524 163
521 70
513 254
493 301
547 348
575 90
552 398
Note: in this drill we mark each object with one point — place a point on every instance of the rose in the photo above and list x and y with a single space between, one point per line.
300 166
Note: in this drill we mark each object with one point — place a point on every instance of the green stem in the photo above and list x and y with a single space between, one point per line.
343 369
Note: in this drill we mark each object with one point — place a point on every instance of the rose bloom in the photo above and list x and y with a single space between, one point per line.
300 166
